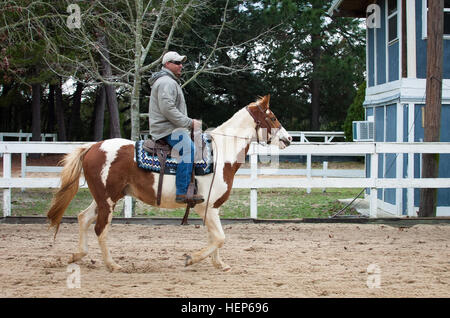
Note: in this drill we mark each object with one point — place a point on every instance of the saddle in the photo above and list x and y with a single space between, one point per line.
160 149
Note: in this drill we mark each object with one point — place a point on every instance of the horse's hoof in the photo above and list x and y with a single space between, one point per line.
226 268
114 268
188 260
222 266
76 257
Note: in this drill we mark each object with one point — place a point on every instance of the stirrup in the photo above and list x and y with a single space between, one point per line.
182 198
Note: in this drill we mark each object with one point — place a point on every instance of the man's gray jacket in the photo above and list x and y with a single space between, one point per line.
167 109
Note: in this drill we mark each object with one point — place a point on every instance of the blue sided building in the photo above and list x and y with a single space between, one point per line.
396 62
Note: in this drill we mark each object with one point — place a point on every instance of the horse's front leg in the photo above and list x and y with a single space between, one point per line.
216 239
217 261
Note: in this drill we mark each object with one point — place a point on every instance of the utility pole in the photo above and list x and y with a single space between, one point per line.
432 109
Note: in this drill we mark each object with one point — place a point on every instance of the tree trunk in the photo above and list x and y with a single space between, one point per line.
113 107
315 84
51 110
315 104
432 110
135 119
36 111
75 117
135 102
99 115
5 112
59 111
111 96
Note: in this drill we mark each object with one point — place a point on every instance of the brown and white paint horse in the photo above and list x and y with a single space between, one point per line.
111 173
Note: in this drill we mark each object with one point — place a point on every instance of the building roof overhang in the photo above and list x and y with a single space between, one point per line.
349 8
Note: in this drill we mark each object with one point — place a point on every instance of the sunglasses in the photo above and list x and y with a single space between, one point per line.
176 62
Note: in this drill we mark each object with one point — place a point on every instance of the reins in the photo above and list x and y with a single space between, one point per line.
212 180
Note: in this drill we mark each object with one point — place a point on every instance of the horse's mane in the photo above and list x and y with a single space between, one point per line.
230 119
260 100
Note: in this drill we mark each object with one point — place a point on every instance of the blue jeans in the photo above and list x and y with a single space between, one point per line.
181 140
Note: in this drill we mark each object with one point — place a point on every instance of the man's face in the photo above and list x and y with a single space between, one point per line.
174 67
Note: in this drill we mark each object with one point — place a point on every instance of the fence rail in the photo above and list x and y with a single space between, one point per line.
327 136
298 136
254 183
26 136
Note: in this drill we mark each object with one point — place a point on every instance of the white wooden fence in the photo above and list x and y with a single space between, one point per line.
298 136
327 136
26 136
254 183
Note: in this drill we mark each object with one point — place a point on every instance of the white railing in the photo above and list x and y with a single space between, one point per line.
254 183
327 136
350 149
298 136
26 136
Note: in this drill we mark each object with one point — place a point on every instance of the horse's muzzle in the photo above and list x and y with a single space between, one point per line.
286 141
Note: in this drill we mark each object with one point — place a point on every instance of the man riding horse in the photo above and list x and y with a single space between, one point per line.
169 121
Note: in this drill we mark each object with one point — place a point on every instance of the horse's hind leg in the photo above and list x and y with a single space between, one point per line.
105 213
85 219
216 238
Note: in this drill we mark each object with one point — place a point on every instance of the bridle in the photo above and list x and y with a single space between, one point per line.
264 119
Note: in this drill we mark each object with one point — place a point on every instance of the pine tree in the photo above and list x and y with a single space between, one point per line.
355 112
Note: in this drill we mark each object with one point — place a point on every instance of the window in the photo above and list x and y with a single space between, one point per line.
392 6
392 21
446 18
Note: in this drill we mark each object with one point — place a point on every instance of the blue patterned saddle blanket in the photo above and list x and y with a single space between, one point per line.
203 164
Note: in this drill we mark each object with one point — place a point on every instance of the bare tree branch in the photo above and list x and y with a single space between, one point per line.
224 20
132 32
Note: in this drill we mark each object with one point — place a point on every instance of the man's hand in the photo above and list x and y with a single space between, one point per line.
196 125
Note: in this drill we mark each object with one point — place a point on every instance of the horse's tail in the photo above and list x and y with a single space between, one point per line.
70 176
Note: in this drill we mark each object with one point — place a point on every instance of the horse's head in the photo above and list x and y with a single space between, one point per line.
268 128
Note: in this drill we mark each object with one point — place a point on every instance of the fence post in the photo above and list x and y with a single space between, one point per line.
128 210
308 170
302 137
373 189
399 191
253 177
411 139
7 192
23 166
325 168
410 191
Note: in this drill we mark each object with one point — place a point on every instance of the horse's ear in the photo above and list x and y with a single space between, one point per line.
265 101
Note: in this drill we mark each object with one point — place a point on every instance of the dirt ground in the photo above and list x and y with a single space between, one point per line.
268 260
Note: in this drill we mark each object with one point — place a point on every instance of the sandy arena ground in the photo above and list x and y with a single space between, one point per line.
268 260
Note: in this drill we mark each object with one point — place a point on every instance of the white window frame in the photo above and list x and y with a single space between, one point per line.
424 20
396 12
